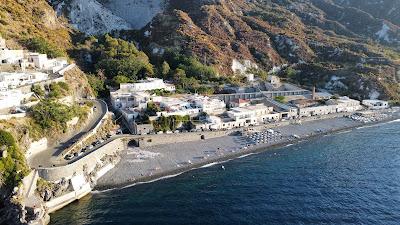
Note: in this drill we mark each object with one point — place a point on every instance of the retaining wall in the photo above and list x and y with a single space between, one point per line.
88 162
9 116
160 139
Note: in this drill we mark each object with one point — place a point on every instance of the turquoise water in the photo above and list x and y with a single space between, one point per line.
347 178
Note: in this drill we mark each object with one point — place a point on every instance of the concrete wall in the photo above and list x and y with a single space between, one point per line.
75 168
9 116
57 203
160 139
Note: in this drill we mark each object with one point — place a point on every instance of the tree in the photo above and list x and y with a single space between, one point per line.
165 69
290 72
58 90
13 167
120 79
38 90
97 84
40 45
119 57
152 109
281 99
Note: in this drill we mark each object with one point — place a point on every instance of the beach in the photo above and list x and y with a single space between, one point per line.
146 164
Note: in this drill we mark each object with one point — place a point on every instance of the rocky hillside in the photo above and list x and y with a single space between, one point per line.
357 42
20 20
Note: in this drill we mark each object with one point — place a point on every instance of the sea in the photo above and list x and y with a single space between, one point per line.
345 178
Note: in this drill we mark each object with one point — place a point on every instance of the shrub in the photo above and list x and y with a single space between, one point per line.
49 114
38 90
97 85
58 90
42 46
13 168
280 99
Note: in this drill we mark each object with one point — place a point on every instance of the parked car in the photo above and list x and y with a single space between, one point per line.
69 157
91 147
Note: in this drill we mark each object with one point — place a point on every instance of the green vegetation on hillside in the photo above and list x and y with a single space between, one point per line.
51 115
58 90
13 165
117 57
118 61
40 45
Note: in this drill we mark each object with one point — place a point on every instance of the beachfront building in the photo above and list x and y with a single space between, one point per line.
317 110
147 85
208 105
252 114
176 107
345 104
249 115
309 107
375 104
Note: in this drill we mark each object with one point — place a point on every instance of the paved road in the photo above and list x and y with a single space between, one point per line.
52 154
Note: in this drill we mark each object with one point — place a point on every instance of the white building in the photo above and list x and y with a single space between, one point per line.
375 104
9 99
41 62
8 56
122 100
253 114
345 104
147 85
208 105
317 110
13 80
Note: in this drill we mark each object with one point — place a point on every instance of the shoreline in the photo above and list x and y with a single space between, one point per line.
105 184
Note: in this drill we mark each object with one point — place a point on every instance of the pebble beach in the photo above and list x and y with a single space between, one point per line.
151 163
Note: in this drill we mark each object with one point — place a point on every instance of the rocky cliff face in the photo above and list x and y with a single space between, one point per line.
103 16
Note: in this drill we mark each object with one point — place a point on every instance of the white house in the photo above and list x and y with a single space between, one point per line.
375 104
12 98
253 114
14 80
8 56
39 60
147 85
208 105
122 100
